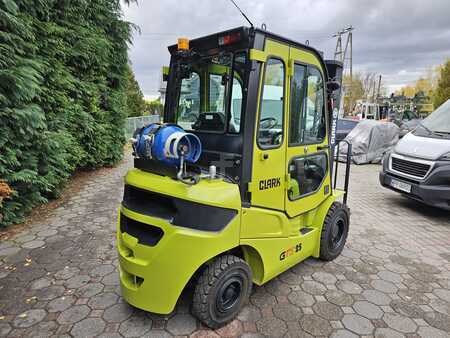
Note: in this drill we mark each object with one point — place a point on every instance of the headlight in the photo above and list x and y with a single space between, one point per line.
445 157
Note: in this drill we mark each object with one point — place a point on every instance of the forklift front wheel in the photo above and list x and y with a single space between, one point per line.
222 289
334 231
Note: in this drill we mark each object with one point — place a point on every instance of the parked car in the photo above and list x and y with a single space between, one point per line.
419 165
344 127
370 140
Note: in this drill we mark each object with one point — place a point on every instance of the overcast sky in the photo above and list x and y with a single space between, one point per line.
399 39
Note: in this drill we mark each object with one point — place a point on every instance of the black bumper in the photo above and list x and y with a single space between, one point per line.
434 190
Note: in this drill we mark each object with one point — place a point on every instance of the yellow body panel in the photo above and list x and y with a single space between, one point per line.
168 266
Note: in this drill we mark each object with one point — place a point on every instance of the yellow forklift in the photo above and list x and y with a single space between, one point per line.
237 185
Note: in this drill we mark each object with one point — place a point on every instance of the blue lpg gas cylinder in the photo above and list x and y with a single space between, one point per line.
166 143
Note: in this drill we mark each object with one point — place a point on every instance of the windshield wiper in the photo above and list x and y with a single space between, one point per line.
431 132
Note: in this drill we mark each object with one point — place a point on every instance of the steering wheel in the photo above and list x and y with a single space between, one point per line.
270 121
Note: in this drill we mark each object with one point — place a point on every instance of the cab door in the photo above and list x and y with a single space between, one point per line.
307 152
268 184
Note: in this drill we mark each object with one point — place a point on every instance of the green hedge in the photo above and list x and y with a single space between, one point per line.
63 70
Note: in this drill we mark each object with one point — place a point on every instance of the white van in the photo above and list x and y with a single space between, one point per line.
419 165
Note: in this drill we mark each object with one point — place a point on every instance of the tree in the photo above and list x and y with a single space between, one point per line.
154 107
134 97
62 95
442 92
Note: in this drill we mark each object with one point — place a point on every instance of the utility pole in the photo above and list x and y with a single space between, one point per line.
379 87
346 56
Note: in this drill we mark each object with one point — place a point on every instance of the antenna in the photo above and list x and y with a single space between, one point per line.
243 14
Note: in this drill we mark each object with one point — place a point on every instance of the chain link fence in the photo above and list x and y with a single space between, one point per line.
137 122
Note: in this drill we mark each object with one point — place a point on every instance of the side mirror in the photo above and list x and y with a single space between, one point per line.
332 86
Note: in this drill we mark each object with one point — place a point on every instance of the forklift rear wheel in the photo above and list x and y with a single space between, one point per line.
334 231
222 289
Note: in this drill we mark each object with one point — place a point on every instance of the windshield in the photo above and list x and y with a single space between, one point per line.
438 122
210 92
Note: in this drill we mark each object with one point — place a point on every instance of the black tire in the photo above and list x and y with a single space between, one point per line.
334 231
222 289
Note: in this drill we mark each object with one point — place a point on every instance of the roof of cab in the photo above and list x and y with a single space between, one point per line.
248 31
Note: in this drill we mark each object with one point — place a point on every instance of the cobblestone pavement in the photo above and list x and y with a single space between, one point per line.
60 277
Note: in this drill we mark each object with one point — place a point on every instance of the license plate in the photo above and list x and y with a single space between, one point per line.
401 186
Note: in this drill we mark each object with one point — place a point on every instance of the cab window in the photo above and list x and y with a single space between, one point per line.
189 102
313 124
307 174
270 129
297 103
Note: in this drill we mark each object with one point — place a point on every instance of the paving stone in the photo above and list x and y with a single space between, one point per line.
89 290
349 287
73 314
328 310
60 304
407 309
295 331
287 312
384 286
277 288
324 277
101 270
103 300
368 310
41 283
5 328
9 251
262 298
77 281
271 326
441 306
88 327
24 238
387 333
339 297
47 233
431 332
390 276
376 297
313 288
118 313
301 298
204 334
33 244
413 297
438 320
181 324
249 314
111 279
29 318
343 334
50 292
357 324
400 323
315 325
66 273
443 294
232 329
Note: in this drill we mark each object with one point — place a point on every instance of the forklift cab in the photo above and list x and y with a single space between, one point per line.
260 104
